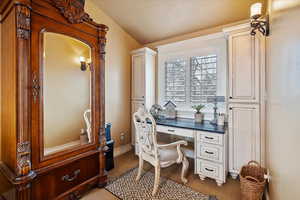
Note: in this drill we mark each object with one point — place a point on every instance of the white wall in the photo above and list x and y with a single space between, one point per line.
117 73
283 107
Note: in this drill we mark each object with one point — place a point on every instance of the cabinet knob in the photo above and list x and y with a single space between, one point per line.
230 108
230 97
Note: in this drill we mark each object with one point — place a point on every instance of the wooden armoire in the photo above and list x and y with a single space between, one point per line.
42 74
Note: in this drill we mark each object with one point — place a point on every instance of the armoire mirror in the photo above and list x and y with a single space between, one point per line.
66 93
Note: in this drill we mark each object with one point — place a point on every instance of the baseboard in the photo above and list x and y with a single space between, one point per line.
122 149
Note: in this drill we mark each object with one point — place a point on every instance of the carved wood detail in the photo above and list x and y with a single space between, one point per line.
72 10
102 43
23 158
23 22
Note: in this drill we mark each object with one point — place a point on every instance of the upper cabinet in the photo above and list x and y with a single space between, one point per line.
138 77
143 76
244 67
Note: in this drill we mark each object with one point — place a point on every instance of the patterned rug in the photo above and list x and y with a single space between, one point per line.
126 188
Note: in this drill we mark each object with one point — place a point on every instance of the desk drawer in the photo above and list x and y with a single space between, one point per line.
210 169
175 131
210 138
210 152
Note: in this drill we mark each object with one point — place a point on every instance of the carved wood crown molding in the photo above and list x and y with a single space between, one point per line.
72 10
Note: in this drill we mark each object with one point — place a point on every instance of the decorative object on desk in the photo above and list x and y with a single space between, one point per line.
199 116
215 100
156 111
170 111
221 119
83 137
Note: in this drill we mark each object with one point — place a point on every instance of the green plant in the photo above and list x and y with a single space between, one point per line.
198 108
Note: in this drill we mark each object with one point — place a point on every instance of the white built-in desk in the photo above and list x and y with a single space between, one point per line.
210 145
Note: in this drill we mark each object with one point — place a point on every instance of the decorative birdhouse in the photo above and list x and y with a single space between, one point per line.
170 112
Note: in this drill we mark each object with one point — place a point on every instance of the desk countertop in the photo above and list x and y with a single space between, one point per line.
190 124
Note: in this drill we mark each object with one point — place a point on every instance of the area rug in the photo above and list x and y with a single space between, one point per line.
126 188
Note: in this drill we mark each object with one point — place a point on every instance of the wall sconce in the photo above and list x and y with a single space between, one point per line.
262 26
84 64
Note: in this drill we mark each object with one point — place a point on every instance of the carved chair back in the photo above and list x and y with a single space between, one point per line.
145 127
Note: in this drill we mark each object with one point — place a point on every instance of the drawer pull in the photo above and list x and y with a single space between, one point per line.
68 178
208 152
210 170
210 138
170 130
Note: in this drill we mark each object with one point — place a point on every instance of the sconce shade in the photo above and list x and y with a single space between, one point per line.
256 10
82 59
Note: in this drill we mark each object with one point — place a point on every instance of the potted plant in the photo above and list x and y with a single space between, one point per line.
198 115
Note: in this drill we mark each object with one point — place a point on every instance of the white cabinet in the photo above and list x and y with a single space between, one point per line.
246 101
211 156
142 81
244 136
244 67
138 77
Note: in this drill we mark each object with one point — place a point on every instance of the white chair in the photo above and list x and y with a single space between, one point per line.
160 156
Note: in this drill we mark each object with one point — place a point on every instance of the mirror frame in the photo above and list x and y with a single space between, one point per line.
44 157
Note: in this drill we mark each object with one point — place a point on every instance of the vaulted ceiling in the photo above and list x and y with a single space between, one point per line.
152 20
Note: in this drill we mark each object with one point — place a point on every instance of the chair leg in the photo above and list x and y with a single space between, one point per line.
185 166
156 181
140 170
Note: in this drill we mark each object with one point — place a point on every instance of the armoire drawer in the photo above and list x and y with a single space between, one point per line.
62 179
210 152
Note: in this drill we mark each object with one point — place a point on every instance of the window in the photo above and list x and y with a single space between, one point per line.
203 78
175 81
191 81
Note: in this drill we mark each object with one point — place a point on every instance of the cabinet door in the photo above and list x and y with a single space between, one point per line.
244 66
135 105
138 77
244 135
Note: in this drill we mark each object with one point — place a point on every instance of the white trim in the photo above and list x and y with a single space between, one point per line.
236 28
189 42
143 51
122 149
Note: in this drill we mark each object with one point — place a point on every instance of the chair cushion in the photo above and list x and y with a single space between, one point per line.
168 154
